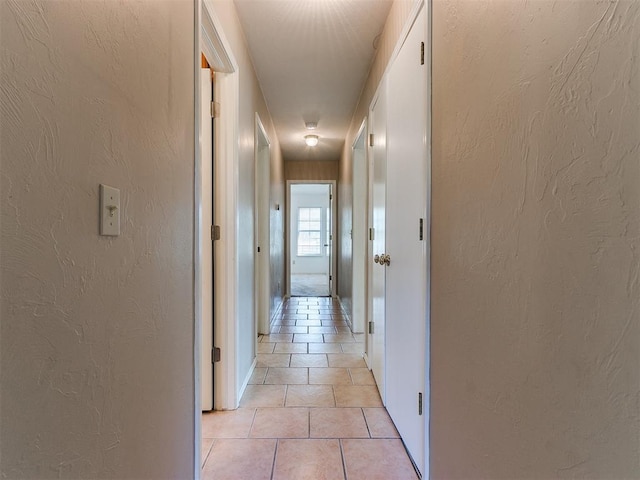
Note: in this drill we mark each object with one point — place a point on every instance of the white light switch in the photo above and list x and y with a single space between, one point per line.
109 211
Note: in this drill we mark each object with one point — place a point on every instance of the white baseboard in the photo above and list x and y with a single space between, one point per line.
246 380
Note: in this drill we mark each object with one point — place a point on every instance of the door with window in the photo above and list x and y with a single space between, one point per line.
310 240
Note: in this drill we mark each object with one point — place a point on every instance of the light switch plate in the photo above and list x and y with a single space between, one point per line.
109 211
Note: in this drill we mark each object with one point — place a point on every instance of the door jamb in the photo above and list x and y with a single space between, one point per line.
334 226
261 139
362 134
211 41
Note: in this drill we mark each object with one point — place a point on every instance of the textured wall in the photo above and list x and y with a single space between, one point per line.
96 333
536 240
252 101
297 170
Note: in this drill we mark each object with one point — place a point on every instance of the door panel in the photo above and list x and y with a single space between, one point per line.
379 167
406 281
206 266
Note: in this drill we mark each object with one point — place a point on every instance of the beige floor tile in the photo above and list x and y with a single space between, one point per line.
343 329
377 459
240 459
307 311
257 377
309 360
265 347
284 322
357 396
272 359
380 424
310 396
206 445
359 337
286 376
348 360
277 337
322 329
337 423
335 323
295 316
329 376
320 316
362 376
352 348
281 423
290 348
308 460
227 424
324 348
301 337
338 338
263 396
293 329
308 323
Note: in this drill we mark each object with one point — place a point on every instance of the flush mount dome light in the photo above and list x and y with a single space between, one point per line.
311 140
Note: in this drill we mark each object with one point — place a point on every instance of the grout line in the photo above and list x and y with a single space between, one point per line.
366 422
253 419
273 464
206 457
344 462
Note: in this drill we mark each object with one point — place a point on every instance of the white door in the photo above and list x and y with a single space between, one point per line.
206 220
376 344
406 242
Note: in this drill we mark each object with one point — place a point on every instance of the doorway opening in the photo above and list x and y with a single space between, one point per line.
311 234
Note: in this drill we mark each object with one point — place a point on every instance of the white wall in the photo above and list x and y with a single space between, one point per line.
96 333
536 234
252 101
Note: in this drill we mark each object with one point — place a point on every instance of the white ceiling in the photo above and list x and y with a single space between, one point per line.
312 58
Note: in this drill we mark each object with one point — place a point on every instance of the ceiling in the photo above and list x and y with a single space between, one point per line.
312 58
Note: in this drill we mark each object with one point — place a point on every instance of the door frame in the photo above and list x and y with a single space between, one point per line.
262 284
359 242
334 226
210 40
411 19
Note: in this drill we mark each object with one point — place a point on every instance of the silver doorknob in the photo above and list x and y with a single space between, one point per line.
376 258
385 260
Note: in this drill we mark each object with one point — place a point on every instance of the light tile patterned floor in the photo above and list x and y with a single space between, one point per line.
311 409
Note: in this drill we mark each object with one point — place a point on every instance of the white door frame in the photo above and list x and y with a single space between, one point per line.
359 236
262 277
411 18
334 227
211 41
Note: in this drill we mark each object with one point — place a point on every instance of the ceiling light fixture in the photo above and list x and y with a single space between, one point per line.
311 125
311 140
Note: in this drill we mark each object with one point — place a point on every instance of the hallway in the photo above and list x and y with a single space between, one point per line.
311 410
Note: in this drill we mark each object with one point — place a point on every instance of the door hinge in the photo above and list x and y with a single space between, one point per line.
330 237
215 109
258 249
330 278
422 229
215 354
371 139
419 403
372 234
371 329
215 232
331 196
421 53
